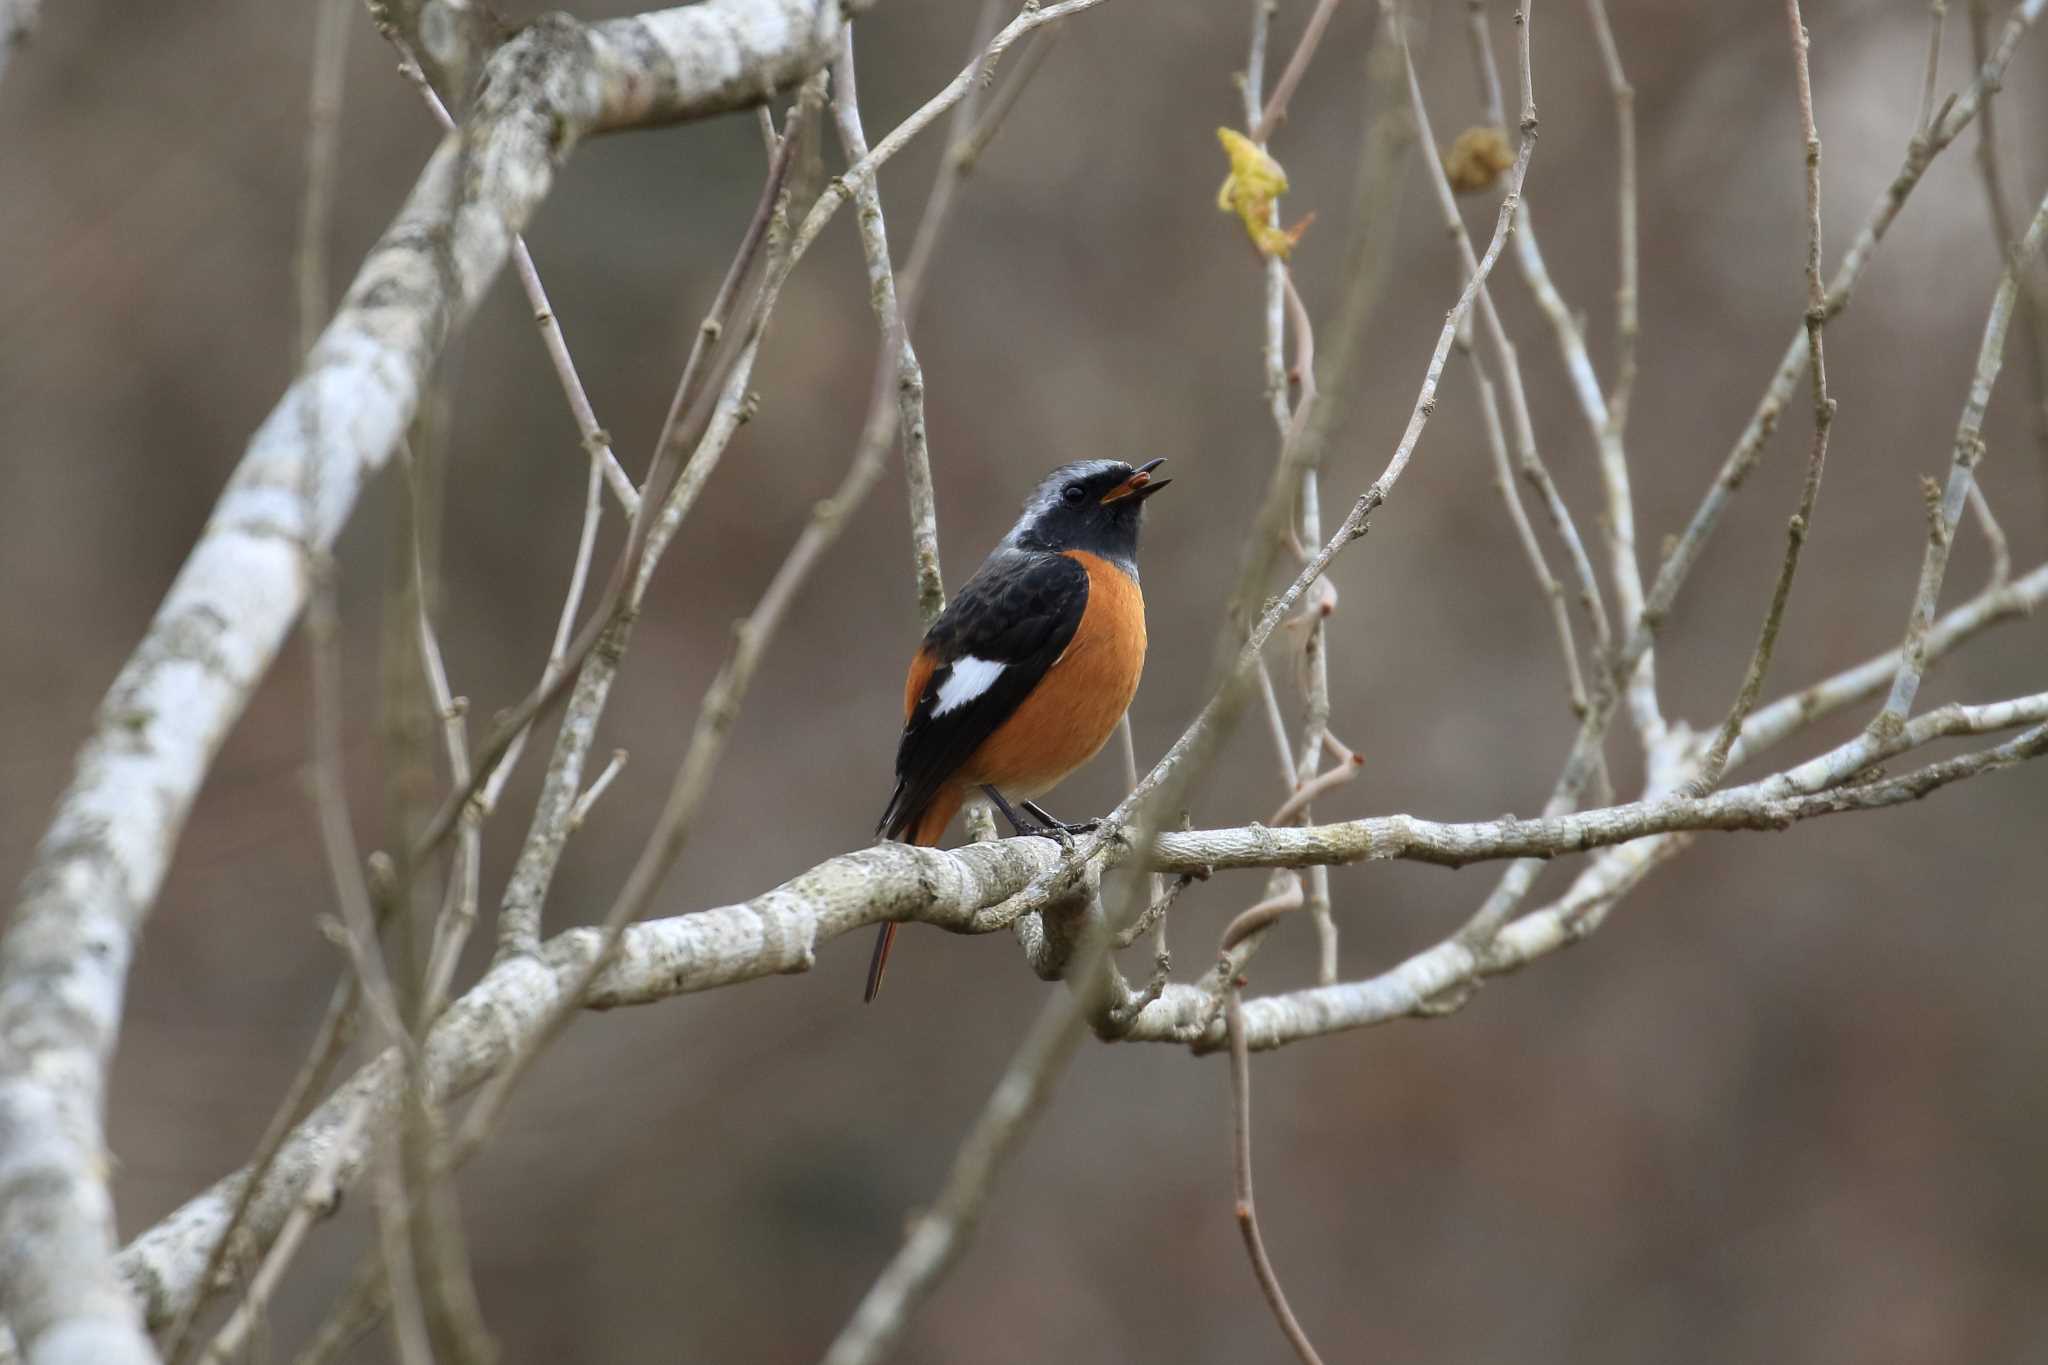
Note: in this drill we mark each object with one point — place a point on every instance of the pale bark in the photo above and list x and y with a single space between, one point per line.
65 957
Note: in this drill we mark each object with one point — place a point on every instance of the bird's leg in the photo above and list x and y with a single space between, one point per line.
1049 829
1079 827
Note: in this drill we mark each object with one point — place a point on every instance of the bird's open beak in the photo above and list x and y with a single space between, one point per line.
1140 485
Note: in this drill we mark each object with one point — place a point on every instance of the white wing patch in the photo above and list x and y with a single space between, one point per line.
966 678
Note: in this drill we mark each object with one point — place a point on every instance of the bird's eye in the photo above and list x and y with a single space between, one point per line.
1073 493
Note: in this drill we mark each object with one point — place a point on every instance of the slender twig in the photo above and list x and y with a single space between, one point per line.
707 743
1388 137
676 495
1531 463
545 318
1283 898
1276 725
1716 759
895 298
883 297
2033 311
393 1207
1313 667
1418 985
458 910
451 1310
1585 758
917 1266
593 658
581 810
927 1251
838 191
337 835
1994 538
1155 916
565 619
968 150
939 201
316 1200
358 934
1772 724
722 701
337 1024
715 716
1546 582
1742 458
323 142
448 945
1285 310
937 1236
1611 875
1945 505
1937 16
1627 324
1606 414
973 889
1311 789
1241 1174
357 1311
330 1040
93 886
1296 68
1170 778
756 276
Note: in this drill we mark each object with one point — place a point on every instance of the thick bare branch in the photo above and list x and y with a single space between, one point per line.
776 932
1437 979
65 957
975 890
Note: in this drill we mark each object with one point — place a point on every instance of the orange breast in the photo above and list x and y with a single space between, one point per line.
1076 706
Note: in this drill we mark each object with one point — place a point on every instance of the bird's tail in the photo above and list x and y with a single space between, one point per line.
924 829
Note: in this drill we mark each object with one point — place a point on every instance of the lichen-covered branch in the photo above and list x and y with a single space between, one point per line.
64 960
975 890
1439 978
779 931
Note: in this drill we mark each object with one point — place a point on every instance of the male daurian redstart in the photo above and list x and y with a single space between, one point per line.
1025 675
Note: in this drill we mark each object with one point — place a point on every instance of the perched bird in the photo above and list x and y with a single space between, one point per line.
1025 675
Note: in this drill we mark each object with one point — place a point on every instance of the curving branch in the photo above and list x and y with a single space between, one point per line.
65 957
779 931
976 889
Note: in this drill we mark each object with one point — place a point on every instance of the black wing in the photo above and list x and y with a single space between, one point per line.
1020 610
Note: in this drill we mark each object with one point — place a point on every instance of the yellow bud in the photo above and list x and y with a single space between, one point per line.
1477 159
1252 189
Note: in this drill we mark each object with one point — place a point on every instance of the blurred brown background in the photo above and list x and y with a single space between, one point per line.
1789 1105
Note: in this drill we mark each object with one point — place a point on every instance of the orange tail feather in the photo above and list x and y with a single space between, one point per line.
925 831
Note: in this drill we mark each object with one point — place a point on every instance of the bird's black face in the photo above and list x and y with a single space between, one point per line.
1092 505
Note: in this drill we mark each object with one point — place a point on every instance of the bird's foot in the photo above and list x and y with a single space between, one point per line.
1041 814
1036 822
